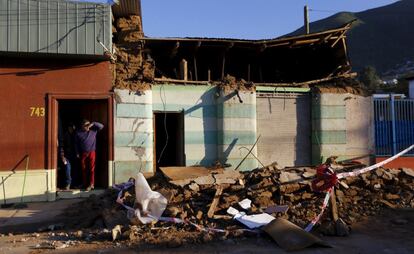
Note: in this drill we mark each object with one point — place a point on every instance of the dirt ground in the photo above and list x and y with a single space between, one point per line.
390 232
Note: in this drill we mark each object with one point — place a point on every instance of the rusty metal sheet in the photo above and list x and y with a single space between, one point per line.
291 237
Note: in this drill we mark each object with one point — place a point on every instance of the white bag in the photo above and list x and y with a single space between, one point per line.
153 203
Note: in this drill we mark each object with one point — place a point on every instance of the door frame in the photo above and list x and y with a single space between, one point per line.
154 152
52 125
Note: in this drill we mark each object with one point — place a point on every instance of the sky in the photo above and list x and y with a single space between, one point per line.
243 19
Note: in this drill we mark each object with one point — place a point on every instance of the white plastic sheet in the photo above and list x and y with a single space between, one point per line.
152 203
245 203
250 221
255 220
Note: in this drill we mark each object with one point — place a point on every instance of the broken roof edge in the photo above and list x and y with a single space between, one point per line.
341 31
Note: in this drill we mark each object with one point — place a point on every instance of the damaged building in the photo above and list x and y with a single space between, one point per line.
203 101
168 101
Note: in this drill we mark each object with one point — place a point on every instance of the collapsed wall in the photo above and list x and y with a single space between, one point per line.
132 70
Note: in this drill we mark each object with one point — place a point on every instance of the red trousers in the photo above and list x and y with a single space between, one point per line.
88 167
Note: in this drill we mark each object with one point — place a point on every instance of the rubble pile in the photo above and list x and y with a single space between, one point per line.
133 71
230 83
268 189
342 85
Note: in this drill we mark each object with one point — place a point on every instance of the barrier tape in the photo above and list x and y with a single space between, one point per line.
375 166
318 217
353 174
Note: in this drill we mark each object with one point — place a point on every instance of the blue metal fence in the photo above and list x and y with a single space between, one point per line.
394 125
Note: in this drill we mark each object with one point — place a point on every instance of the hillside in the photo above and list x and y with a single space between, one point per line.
382 37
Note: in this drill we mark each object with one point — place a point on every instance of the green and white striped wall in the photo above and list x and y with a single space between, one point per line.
341 126
236 128
200 124
133 134
328 126
216 126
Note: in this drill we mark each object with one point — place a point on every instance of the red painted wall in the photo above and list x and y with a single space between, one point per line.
401 162
25 83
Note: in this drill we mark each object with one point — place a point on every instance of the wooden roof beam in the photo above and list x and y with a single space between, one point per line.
174 50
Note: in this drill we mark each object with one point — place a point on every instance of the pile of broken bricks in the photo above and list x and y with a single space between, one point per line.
215 198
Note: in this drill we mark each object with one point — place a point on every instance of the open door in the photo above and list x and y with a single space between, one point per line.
169 139
72 109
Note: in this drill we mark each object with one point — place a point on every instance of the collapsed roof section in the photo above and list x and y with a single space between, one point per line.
281 60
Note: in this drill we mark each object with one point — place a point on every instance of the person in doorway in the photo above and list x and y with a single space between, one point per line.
85 139
67 153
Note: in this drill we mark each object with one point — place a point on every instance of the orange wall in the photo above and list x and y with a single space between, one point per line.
25 83
401 162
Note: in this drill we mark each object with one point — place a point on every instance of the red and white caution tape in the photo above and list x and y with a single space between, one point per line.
353 174
318 217
375 166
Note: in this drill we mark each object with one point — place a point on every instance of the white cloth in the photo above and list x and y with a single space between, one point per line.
153 203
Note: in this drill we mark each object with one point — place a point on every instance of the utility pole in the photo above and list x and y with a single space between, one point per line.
306 19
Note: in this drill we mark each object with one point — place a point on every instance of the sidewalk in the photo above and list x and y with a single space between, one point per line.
34 216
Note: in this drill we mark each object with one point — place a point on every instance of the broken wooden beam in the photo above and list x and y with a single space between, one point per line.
215 201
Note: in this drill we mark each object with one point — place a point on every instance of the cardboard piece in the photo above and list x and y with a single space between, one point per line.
277 209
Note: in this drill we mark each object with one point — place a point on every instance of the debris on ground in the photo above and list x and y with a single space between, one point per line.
278 193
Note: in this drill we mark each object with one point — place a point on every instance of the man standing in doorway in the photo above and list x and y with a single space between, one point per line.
85 139
67 153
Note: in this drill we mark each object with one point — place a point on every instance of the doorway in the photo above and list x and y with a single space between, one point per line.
65 110
169 139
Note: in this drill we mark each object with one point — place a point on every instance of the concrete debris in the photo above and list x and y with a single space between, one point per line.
182 176
288 177
55 245
293 201
245 203
116 232
408 171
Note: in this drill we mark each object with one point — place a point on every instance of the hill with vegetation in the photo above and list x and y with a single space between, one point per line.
381 37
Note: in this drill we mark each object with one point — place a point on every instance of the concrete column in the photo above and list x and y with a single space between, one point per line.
236 128
133 134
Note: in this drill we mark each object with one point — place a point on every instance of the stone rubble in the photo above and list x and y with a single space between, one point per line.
265 187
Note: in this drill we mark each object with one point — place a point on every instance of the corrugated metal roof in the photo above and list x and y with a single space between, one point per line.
54 27
126 8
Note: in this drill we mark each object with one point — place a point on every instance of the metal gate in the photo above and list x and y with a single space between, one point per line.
394 125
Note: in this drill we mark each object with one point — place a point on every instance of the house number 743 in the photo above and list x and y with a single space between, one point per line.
37 111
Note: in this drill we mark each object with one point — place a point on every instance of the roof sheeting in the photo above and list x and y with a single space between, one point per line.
110 2
127 7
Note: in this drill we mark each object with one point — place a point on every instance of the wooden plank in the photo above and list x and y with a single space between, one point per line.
183 70
195 68
168 80
223 65
215 202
